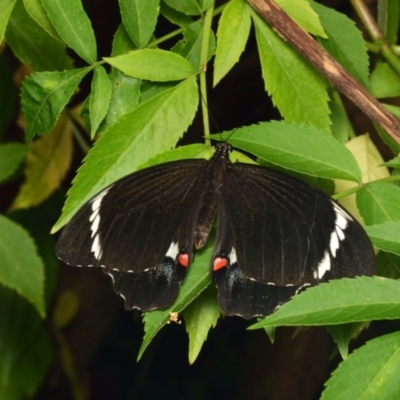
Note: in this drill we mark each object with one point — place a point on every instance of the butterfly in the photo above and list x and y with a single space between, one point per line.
275 234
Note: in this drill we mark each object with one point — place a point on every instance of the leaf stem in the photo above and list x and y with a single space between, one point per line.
177 32
348 192
78 136
203 66
170 35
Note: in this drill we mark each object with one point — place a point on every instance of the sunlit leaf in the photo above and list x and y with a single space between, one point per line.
47 162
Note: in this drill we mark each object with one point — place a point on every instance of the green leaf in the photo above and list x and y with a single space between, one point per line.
65 309
189 7
296 88
38 13
233 32
124 97
345 42
302 13
385 236
33 45
122 43
342 129
196 280
44 96
324 184
378 203
388 140
200 316
139 18
85 114
343 333
151 128
197 150
190 46
47 163
338 302
99 98
394 163
26 351
153 65
205 4
297 147
394 146
11 156
21 268
270 331
369 160
6 8
174 16
388 265
370 372
37 221
150 89
368 157
73 26
384 81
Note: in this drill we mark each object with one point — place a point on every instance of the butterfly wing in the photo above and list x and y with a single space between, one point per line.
149 290
286 232
130 225
136 229
238 294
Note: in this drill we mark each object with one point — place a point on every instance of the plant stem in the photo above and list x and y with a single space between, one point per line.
78 136
176 32
170 35
348 192
203 66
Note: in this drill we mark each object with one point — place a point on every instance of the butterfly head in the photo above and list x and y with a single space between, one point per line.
223 150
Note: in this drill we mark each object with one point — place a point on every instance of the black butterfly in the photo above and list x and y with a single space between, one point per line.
275 234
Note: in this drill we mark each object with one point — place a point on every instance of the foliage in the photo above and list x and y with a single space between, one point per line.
144 97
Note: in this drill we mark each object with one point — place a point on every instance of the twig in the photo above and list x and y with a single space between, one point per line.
311 50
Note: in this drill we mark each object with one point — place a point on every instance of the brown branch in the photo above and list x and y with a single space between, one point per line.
322 61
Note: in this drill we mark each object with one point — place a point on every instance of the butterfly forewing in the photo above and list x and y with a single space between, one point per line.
131 224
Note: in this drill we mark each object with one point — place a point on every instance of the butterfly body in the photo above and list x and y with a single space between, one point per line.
275 234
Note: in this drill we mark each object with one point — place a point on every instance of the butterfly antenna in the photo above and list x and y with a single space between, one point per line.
214 121
248 119
211 116
209 112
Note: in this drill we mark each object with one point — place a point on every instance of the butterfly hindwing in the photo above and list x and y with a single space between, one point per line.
238 294
149 290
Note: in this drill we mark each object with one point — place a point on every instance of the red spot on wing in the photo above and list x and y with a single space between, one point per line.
183 259
219 263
